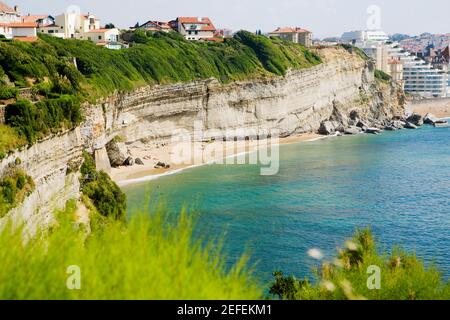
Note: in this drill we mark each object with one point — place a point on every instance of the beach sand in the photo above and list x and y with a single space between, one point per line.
154 152
439 107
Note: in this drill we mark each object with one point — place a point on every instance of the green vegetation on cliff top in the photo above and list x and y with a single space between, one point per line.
64 73
48 64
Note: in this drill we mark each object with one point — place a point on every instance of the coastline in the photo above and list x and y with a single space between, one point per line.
155 152
438 107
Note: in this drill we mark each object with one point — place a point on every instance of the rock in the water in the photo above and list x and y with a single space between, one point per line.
362 125
139 161
429 119
352 130
410 125
415 119
117 153
390 128
398 124
327 128
129 161
373 130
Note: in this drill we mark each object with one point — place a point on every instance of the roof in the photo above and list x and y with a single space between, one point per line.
100 30
26 39
33 18
20 24
159 24
290 30
209 26
5 8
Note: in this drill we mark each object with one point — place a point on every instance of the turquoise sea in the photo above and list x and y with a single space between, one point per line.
397 182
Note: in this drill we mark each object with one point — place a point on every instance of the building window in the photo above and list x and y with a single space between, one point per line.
196 32
99 37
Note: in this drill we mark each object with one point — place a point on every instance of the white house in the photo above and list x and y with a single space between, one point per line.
193 28
103 35
82 27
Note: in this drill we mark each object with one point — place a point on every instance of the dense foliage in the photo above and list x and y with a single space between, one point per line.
146 258
37 120
15 186
9 139
403 276
104 193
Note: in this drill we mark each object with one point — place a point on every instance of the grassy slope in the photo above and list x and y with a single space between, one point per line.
146 259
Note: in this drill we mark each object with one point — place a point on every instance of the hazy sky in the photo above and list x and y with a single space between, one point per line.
323 17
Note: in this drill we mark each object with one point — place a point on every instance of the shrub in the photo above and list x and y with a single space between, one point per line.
147 258
403 276
106 196
35 121
9 140
15 186
8 92
382 76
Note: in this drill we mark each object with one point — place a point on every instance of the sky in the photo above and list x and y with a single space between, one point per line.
325 18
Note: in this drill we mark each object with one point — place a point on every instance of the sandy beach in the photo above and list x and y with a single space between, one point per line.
154 152
439 107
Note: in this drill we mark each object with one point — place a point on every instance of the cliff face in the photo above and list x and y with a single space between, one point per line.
296 103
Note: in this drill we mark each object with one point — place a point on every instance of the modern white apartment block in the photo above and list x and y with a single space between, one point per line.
419 76
364 36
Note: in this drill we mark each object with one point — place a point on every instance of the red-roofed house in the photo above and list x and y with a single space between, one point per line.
41 19
12 26
193 28
297 35
156 26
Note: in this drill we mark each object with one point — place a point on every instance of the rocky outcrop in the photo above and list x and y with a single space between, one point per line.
53 164
117 153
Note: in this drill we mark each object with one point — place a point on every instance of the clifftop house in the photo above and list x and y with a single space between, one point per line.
156 26
13 26
296 35
194 28
82 27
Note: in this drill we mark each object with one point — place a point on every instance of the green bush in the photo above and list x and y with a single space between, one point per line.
35 121
403 276
147 258
8 92
382 76
15 186
9 140
107 197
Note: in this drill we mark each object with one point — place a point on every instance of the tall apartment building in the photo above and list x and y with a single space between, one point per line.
418 76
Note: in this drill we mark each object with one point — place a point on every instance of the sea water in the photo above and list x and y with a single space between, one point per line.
398 183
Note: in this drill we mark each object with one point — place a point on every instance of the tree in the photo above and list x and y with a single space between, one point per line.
110 26
137 25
